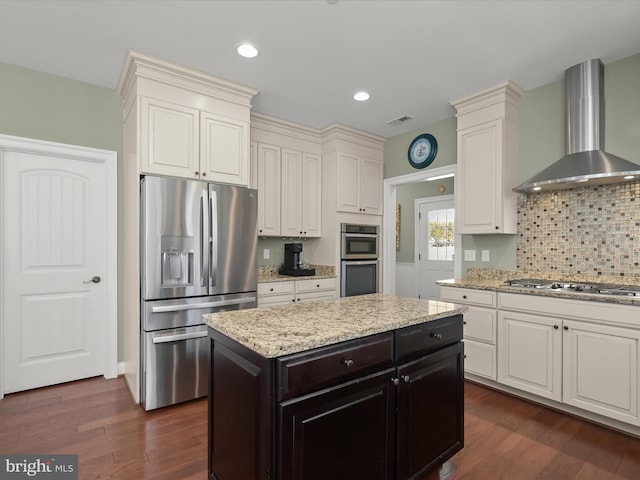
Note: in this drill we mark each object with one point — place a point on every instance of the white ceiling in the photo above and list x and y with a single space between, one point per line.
414 57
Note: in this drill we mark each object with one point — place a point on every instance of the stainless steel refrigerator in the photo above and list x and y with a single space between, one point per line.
198 255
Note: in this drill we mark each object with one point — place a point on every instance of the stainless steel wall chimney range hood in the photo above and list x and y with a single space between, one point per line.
586 163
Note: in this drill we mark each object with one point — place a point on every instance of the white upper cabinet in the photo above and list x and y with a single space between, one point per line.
192 125
224 149
289 178
359 184
487 160
269 190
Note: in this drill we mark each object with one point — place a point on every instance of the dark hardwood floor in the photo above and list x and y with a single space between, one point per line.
505 438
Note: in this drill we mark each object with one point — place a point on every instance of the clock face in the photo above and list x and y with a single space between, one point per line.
423 150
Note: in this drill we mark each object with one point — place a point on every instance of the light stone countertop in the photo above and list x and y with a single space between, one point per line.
494 280
276 331
270 274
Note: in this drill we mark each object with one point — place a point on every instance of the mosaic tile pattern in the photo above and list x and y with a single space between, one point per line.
591 230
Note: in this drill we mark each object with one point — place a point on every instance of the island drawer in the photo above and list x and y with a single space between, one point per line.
309 371
424 338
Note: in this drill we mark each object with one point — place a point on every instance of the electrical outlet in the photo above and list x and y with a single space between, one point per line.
266 254
485 255
469 255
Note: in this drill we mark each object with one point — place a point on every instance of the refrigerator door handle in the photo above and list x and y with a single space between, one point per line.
204 236
194 306
178 337
213 238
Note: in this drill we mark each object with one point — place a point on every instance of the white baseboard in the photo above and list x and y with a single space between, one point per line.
120 368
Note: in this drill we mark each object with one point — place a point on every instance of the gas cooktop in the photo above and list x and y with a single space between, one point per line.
571 287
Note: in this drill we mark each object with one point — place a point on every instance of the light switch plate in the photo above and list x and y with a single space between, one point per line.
469 255
485 255
266 254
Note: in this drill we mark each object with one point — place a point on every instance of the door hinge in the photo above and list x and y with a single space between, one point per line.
419 215
419 256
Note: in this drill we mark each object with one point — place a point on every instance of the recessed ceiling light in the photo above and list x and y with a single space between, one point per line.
247 50
361 96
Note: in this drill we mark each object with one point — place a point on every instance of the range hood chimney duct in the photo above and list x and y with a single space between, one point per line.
586 163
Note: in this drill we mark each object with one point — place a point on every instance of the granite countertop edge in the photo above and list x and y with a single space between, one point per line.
278 331
494 280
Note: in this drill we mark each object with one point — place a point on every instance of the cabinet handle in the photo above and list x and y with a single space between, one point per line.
395 381
565 327
555 327
294 300
464 297
437 336
348 363
297 299
204 174
196 174
497 228
464 323
271 289
318 285
300 233
260 231
406 378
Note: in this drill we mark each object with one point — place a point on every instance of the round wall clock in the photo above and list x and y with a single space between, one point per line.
423 150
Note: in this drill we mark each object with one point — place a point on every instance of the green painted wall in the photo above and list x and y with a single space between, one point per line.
46 107
542 142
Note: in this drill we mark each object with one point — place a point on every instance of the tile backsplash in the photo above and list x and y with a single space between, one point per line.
590 230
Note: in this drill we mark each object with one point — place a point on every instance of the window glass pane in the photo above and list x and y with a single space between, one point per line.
441 234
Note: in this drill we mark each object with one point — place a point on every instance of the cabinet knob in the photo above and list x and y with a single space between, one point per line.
294 300
300 233
297 299
204 174
565 327
437 336
348 363
464 323
406 378
395 381
259 231
497 228
196 174
464 296
318 285
555 327
271 289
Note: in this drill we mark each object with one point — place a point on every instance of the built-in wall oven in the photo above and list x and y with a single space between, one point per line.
360 264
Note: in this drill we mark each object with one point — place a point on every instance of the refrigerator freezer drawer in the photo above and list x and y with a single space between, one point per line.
175 366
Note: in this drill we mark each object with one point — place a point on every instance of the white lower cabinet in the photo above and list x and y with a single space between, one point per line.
600 369
479 329
271 294
530 353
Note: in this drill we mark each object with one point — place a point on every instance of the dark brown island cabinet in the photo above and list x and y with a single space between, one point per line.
387 406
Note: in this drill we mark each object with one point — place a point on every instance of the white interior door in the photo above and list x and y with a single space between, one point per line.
56 238
435 243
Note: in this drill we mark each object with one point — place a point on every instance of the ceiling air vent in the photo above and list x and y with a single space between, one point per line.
399 120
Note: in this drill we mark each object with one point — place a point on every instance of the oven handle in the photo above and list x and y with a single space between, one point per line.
178 337
360 262
194 306
356 235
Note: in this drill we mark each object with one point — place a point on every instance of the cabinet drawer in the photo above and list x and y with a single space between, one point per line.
480 359
275 288
275 300
468 296
480 324
417 340
309 371
306 286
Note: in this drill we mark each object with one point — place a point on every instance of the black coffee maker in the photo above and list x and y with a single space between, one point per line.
292 264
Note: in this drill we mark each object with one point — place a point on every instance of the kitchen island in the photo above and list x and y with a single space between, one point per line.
360 387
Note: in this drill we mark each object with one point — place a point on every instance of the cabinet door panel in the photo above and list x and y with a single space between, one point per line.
371 196
530 353
223 149
479 178
430 411
480 359
601 369
480 324
348 183
268 190
291 193
169 139
345 432
311 195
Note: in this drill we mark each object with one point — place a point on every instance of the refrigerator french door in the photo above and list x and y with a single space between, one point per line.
197 250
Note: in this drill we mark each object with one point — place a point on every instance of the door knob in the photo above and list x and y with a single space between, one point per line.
95 279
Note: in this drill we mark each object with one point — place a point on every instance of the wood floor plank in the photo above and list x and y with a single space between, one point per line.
505 437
